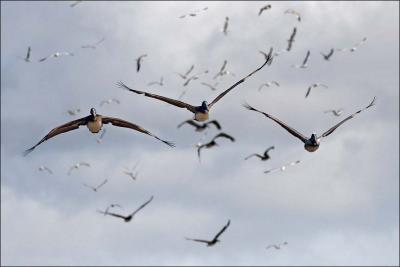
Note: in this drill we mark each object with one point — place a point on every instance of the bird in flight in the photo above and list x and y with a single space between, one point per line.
314 86
263 157
304 64
291 11
77 166
268 84
73 112
109 101
27 58
93 46
97 187
129 217
194 13
200 127
212 87
56 55
223 71
194 77
269 55
266 7
336 112
139 62
201 113
160 83
276 246
214 240
44 168
212 143
327 56
94 122
226 24
131 173
282 168
291 39
354 48
310 144
185 76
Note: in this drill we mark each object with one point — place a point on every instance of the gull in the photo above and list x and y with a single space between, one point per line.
56 55
291 11
97 187
109 101
214 240
103 132
263 157
94 122
212 143
282 168
129 217
44 168
276 246
314 86
310 144
160 83
192 78
93 46
291 39
225 29
354 48
327 56
304 64
28 55
336 112
185 76
266 7
131 174
138 62
212 87
201 127
223 71
75 3
268 84
77 166
73 112
201 113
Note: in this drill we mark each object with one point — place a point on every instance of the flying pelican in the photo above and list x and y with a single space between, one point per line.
263 157
56 55
93 46
310 144
268 84
291 11
129 217
97 187
212 143
327 56
354 48
201 113
282 168
314 86
291 39
201 127
266 7
139 62
214 240
304 64
77 166
44 168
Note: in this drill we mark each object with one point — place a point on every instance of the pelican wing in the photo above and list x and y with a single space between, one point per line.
252 155
288 128
215 123
198 240
191 122
122 123
171 101
115 215
222 230
328 132
224 135
142 206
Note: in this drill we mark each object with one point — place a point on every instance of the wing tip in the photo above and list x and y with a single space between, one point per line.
26 152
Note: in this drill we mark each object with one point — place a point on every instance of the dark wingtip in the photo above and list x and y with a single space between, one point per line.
246 105
26 152
171 144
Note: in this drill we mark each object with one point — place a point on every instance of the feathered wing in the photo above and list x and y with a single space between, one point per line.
189 71
288 128
215 123
308 90
198 240
291 39
122 123
28 53
103 183
190 122
142 206
306 58
171 101
224 135
222 230
114 214
69 126
331 130
268 149
252 155
330 53
237 83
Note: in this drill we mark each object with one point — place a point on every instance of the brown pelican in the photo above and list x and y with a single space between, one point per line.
185 76
44 168
291 11
200 112
97 187
291 39
327 56
263 157
354 48
201 127
77 166
266 7
160 83
282 168
212 87
268 84
93 46
212 143
226 23
336 112
139 62
314 86
214 240
94 122
129 217
304 64
310 144
109 101
56 55
276 246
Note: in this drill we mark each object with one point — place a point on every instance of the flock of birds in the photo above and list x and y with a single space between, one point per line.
94 121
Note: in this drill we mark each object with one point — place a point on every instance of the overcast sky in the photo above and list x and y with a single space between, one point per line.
339 206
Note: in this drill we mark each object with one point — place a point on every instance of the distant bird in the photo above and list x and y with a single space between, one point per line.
75 3
113 205
354 48
28 55
97 187
109 101
282 168
214 240
129 217
291 11
131 173
77 166
194 13
223 70
212 87
311 144
201 127
139 62
212 143
291 39
304 64
276 246
103 132
327 56
336 112
269 55
201 113
194 77
44 168
185 76
314 86
73 112
266 7
226 24
56 55
160 83
94 122
263 157
268 84
93 46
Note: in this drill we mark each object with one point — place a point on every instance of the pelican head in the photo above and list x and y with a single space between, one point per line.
204 105
313 137
93 112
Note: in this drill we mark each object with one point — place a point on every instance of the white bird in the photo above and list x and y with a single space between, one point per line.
160 83
293 12
44 168
56 55
131 173
101 136
93 46
336 112
282 168
268 84
73 112
276 246
304 64
314 86
97 187
77 166
109 101
354 48
226 24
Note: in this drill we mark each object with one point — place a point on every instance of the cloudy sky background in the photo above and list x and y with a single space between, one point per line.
339 206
